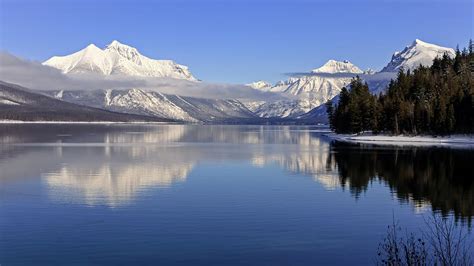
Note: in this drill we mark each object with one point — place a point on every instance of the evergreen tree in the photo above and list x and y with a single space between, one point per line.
330 113
428 100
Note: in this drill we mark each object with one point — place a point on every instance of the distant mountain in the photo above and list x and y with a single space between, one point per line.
117 59
18 103
138 101
416 54
281 109
299 97
260 85
333 66
308 91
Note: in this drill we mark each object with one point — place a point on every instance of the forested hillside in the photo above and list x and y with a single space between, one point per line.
428 100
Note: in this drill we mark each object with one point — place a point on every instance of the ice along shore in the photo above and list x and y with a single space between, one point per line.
457 141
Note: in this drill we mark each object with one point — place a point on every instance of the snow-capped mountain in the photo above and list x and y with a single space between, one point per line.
308 91
316 87
155 104
414 55
117 59
303 95
260 85
333 66
418 53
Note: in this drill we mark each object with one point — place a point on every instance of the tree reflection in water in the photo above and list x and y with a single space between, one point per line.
443 177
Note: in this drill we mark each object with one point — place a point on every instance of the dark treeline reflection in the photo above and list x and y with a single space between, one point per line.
443 177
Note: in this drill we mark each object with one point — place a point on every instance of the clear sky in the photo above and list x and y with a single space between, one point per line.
236 41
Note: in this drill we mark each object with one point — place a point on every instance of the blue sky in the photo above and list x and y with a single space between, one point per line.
236 41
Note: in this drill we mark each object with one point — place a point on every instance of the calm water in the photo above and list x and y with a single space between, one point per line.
214 195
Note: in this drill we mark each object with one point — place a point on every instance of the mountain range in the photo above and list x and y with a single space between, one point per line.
300 97
324 83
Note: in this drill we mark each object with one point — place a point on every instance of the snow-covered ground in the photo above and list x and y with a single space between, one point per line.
458 141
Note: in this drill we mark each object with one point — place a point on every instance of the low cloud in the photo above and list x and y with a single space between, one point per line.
321 74
33 75
367 77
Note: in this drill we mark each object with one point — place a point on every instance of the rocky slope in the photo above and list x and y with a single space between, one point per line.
150 103
416 54
18 103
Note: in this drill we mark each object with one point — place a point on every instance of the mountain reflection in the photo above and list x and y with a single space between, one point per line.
307 159
112 165
112 185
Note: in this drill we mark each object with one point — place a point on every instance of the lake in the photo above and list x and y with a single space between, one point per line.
214 195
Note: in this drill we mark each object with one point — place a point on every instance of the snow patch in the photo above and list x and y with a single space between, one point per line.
8 102
458 141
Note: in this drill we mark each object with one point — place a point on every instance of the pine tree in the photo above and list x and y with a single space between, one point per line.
330 113
428 100
450 119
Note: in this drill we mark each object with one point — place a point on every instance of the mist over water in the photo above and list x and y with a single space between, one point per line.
181 194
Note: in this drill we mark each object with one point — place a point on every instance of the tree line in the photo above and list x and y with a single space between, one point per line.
435 100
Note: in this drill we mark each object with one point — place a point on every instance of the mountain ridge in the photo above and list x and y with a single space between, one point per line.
19 103
324 83
332 66
150 103
416 54
301 95
117 59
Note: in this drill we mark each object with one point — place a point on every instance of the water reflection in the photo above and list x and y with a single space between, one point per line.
112 165
109 184
442 177
312 160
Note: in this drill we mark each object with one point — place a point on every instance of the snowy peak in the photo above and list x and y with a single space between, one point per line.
418 53
260 85
124 50
116 43
117 46
89 59
418 42
333 66
117 59
92 47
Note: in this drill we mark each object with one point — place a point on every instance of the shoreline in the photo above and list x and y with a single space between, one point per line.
458 141
9 122
83 122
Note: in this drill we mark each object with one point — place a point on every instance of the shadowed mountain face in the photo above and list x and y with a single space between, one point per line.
141 102
121 162
18 103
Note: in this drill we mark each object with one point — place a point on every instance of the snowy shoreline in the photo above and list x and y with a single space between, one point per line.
458 141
